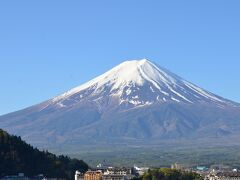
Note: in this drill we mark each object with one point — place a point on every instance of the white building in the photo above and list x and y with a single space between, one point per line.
118 171
79 175
141 170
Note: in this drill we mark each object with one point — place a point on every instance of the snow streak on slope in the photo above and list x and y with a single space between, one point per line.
135 103
139 82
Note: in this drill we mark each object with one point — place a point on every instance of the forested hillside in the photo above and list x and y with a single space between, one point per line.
18 156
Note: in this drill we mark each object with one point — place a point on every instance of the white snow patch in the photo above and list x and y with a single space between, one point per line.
128 91
135 97
134 102
202 92
152 89
165 93
178 94
61 105
174 99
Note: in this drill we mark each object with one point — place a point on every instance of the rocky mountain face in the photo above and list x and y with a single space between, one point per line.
135 102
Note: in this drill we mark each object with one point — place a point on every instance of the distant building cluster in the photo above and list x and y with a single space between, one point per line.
214 172
225 173
110 173
100 173
177 166
217 172
223 176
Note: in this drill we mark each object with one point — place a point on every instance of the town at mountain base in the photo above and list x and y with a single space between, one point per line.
20 161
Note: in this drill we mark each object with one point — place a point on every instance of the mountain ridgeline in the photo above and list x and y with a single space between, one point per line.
16 156
135 103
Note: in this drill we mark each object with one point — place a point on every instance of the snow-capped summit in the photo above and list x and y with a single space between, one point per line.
138 83
134 103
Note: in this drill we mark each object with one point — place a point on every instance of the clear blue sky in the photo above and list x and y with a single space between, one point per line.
50 46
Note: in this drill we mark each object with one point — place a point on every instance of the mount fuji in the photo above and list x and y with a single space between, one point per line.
136 102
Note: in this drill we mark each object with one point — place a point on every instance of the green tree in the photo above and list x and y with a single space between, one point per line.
169 174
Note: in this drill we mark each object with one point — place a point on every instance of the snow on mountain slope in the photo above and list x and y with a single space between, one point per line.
138 83
137 101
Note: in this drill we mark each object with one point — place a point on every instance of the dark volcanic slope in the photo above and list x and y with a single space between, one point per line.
134 102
